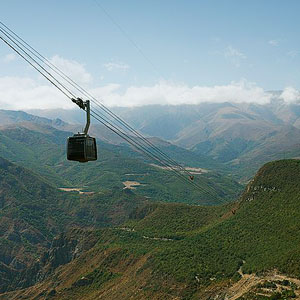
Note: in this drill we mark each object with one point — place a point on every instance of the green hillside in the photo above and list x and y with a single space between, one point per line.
42 149
32 213
173 251
157 241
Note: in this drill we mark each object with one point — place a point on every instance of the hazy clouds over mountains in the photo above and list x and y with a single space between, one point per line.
34 93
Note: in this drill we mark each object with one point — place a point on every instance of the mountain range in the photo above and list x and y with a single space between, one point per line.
41 147
43 195
240 136
125 228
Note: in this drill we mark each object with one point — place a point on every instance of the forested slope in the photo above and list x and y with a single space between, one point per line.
173 251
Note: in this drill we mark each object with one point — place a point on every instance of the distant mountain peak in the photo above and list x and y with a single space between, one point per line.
13 116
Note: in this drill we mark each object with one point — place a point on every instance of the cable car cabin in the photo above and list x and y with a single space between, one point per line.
82 148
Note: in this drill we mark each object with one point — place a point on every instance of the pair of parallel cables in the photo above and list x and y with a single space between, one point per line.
99 111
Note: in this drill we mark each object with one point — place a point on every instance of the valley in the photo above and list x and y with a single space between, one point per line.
149 150
123 226
41 147
178 251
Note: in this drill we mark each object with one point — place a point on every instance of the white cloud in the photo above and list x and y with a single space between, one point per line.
290 95
274 43
9 58
25 93
73 69
293 53
234 55
113 66
28 93
167 93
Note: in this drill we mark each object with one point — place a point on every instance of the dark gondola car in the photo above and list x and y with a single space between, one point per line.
82 148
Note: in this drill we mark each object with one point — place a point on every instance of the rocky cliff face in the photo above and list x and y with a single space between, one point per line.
63 249
33 213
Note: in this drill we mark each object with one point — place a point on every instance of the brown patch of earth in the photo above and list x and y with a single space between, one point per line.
131 184
79 190
194 171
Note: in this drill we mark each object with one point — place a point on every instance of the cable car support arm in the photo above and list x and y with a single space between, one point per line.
85 105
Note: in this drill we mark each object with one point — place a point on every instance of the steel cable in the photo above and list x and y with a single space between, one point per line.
93 99
53 80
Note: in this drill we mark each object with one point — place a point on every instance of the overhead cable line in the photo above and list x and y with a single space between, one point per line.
33 65
44 60
128 37
135 45
19 47
149 154
123 135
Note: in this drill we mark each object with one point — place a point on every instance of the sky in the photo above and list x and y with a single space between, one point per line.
131 53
